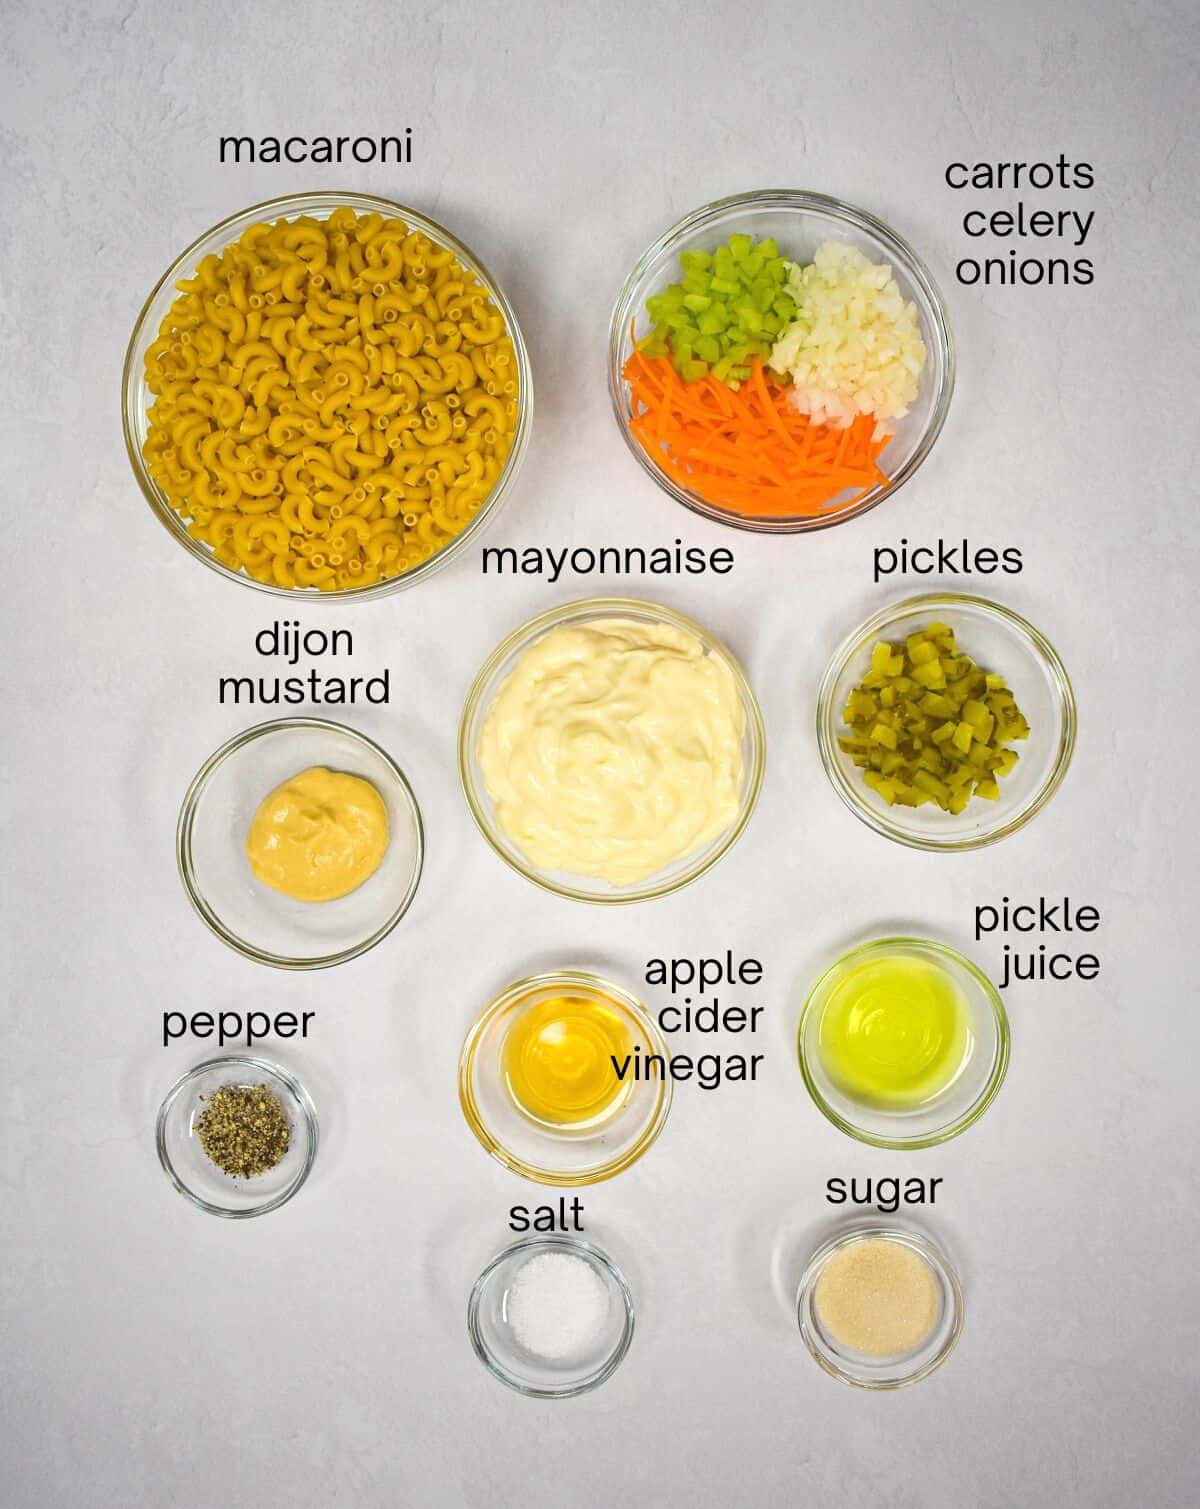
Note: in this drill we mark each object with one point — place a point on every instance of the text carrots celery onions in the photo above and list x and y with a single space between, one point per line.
749 450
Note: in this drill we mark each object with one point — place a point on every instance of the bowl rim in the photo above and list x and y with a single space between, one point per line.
525 635
186 824
939 951
866 1229
309 202
579 979
256 1065
837 209
596 1258
828 720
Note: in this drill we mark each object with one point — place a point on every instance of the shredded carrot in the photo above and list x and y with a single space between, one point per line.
749 450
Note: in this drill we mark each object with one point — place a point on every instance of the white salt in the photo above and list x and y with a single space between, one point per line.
557 1306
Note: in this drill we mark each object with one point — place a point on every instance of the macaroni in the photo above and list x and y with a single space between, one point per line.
334 401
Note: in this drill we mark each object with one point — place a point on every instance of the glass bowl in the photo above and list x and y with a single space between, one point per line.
799 221
497 667
998 640
262 923
187 1165
901 1368
560 1155
949 1112
136 396
496 1341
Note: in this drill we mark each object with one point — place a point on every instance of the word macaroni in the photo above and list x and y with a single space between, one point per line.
334 401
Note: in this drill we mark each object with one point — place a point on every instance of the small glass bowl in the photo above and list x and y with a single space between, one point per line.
210 846
799 221
187 1165
137 398
496 1344
479 699
998 640
962 1103
905 1367
563 1156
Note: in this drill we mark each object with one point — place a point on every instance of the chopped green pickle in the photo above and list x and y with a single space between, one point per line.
929 726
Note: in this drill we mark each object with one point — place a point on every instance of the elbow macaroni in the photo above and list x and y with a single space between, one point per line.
334 401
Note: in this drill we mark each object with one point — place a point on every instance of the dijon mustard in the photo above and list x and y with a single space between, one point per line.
319 836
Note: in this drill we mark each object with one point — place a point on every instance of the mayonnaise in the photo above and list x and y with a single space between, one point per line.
319 835
614 748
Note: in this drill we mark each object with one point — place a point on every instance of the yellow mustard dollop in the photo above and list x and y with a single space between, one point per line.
319 835
614 748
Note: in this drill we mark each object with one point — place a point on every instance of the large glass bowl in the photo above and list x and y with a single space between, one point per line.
799 221
955 1108
497 667
136 396
262 923
998 640
565 1156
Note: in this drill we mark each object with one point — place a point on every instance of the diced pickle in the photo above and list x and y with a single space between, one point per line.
929 726
974 712
936 705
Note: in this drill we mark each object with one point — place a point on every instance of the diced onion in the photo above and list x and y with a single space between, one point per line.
855 345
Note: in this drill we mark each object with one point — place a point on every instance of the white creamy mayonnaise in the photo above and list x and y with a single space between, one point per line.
614 748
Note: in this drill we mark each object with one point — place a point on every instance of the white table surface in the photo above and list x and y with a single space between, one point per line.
153 1356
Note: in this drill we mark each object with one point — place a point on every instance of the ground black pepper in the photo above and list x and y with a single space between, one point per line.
243 1129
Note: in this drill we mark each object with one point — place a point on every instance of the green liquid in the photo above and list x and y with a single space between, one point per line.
895 1032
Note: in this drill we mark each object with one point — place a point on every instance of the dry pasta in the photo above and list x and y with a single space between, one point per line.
334 400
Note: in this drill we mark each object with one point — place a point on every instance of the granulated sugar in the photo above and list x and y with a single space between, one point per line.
877 1297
